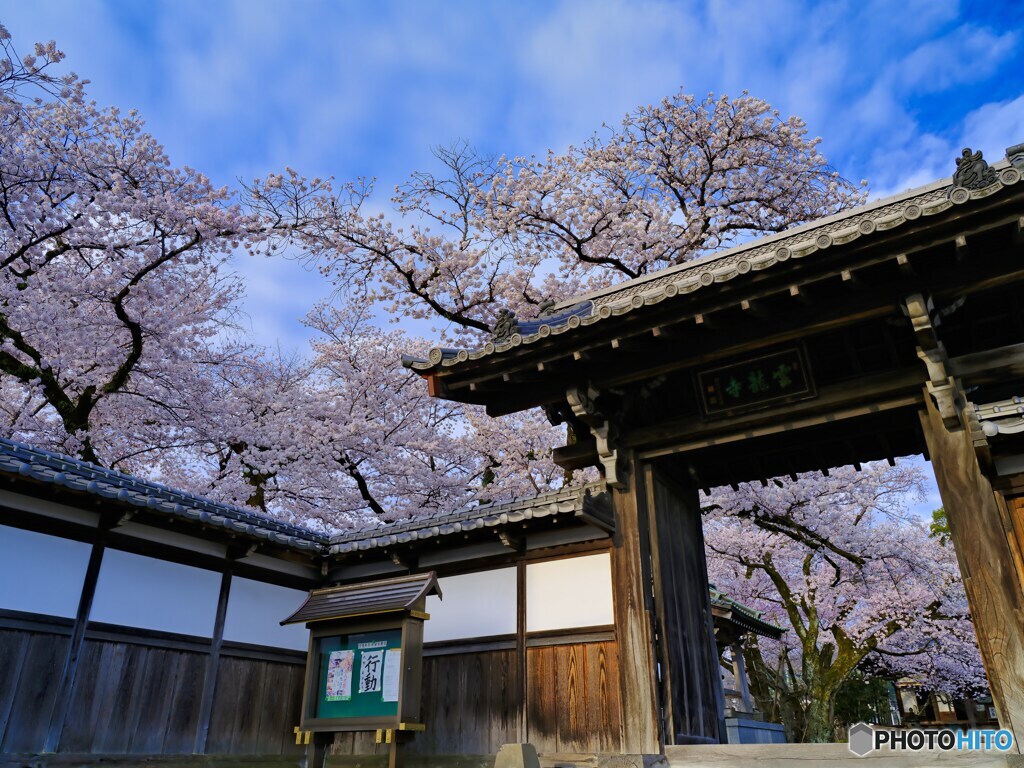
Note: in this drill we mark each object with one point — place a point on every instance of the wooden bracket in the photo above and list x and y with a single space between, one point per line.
513 541
942 388
237 550
583 402
403 559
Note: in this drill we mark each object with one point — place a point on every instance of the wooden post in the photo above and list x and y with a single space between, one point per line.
739 671
67 681
523 729
981 538
318 748
212 666
691 686
631 580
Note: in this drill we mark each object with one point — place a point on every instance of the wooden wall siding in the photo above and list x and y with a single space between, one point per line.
470 703
255 707
32 666
573 697
693 689
133 698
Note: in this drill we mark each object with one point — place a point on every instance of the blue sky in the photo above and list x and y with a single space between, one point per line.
238 89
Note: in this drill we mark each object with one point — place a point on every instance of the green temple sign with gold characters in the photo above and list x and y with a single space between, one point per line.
779 377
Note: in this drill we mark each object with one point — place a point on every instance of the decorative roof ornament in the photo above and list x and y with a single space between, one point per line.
546 308
973 171
505 326
1015 155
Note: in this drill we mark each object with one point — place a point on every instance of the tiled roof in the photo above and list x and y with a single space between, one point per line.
796 243
744 616
77 475
591 500
45 466
401 594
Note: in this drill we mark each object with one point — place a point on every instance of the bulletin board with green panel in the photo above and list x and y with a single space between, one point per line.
359 674
365 662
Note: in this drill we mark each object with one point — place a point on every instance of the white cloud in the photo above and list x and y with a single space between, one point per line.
994 127
245 87
279 291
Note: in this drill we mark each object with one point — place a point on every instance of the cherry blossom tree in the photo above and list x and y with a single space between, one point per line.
349 438
672 182
111 287
116 309
853 578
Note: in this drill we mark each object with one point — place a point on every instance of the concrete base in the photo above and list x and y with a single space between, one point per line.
805 755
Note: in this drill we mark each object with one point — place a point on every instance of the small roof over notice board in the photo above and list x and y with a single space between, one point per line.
407 593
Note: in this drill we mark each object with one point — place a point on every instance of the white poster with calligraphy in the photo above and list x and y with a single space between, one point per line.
371 671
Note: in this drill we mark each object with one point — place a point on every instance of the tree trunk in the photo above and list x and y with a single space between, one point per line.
819 721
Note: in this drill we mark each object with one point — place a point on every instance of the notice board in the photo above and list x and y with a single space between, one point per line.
359 674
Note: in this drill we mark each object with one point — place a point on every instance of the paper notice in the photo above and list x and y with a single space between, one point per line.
370 671
339 676
392 674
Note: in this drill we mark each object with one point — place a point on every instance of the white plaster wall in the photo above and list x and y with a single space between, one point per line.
139 591
41 573
568 593
474 605
254 613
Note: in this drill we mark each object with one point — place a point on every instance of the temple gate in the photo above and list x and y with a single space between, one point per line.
890 329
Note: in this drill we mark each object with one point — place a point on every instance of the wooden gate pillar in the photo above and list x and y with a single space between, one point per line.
691 682
670 686
981 533
631 587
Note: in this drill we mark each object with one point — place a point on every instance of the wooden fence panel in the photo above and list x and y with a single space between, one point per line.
573 697
470 703
184 714
138 692
35 690
13 651
131 697
255 707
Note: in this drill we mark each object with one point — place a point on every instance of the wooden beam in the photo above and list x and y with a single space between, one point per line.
665 332
852 309
691 687
885 391
581 454
992 366
994 584
903 262
212 666
75 645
